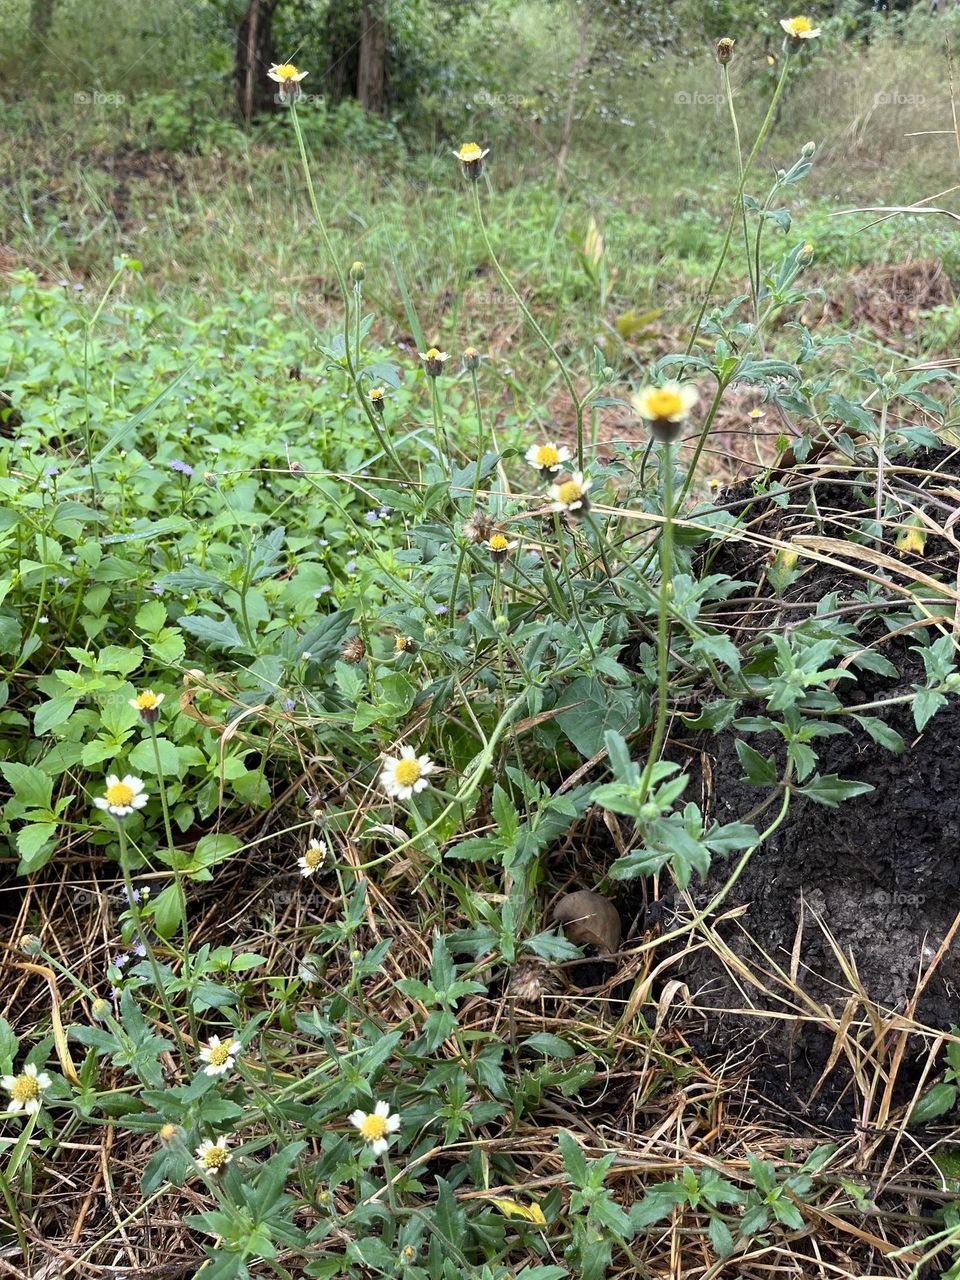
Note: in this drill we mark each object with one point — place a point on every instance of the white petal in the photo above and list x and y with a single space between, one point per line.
380 1146
43 1080
101 802
112 779
8 1081
382 1109
357 1118
393 1124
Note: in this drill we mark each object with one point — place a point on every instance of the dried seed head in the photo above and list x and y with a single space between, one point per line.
478 528
354 650
725 50
531 982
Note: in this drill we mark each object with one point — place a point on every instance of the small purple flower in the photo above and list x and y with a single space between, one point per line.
290 704
155 589
183 467
121 961
53 471
440 610
139 949
63 582
350 566
372 517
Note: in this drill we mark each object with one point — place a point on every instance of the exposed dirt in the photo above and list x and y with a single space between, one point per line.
880 874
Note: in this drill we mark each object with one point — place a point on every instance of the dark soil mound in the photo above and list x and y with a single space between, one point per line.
864 895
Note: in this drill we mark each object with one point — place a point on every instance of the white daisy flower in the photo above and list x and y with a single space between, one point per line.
800 28
547 458
219 1055
26 1090
570 493
405 775
148 704
375 1126
286 73
670 402
314 859
213 1156
122 796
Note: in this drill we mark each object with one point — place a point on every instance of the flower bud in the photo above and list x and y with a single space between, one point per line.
357 272
471 358
353 651
30 944
725 50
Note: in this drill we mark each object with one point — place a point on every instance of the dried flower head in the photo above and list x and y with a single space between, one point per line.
725 50
354 650
478 528
532 981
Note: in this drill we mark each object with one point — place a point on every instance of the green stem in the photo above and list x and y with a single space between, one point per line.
371 416
764 129
663 630
148 947
564 372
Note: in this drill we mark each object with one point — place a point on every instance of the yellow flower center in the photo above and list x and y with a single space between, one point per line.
406 773
314 855
498 542
433 353
569 492
119 794
219 1054
799 25
25 1089
470 151
374 1127
547 456
147 701
287 71
664 403
376 393
214 1157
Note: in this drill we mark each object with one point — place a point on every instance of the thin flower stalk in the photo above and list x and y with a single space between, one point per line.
528 315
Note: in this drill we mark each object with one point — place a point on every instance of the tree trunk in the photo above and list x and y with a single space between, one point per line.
373 53
41 20
253 55
575 75
342 37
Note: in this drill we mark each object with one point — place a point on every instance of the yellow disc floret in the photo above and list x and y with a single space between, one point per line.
119 795
569 492
406 773
498 543
374 1127
147 700
25 1089
547 456
469 151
